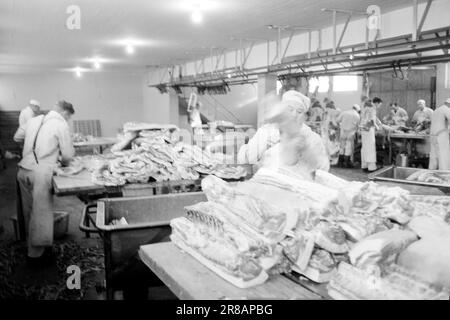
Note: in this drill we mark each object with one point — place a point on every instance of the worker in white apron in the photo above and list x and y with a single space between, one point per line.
439 138
285 139
300 148
368 127
348 122
422 117
46 138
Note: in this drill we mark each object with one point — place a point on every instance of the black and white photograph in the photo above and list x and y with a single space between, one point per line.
235 152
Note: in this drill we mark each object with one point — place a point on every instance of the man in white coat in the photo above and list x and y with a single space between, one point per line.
439 138
348 122
286 140
29 112
46 138
369 124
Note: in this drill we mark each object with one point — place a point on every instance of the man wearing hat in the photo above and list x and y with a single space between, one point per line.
439 138
29 112
348 122
299 146
46 138
285 140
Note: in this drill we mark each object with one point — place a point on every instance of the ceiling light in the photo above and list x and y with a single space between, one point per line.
96 64
351 57
129 49
229 76
197 17
78 72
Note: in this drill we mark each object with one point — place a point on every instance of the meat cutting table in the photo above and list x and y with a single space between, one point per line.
188 279
408 139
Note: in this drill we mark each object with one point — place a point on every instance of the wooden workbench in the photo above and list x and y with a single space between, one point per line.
188 279
81 184
77 184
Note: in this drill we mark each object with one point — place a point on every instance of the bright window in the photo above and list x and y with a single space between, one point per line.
322 82
279 86
345 83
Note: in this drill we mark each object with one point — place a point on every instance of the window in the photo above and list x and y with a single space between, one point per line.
345 83
322 82
279 86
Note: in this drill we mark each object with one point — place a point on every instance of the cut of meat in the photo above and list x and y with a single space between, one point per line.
321 267
216 252
398 284
256 213
429 259
380 248
330 237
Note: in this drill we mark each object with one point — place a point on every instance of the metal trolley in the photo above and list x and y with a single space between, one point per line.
148 222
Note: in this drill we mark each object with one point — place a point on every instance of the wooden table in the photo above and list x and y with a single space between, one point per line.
190 280
408 140
76 184
81 184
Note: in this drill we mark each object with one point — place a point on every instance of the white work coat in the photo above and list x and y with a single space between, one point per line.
368 148
306 150
26 114
45 139
254 151
439 139
400 117
422 115
348 122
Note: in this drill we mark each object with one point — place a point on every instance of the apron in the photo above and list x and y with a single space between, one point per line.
347 142
440 151
368 149
37 202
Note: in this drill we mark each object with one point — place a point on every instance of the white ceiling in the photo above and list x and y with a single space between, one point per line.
34 37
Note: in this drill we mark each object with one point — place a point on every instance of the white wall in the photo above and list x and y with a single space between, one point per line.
110 97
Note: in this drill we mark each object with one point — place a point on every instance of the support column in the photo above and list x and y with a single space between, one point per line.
266 84
174 116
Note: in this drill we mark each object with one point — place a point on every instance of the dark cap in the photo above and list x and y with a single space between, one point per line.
66 106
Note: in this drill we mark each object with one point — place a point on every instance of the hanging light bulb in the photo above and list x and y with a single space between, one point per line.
129 49
197 16
96 64
229 76
78 72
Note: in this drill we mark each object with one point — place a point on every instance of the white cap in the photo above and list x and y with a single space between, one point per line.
296 99
356 107
421 101
35 103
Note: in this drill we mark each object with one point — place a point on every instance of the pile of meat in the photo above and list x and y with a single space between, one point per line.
430 177
323 230
155 155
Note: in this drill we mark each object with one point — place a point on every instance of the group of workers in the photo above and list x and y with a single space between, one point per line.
338 131
46 140
285 140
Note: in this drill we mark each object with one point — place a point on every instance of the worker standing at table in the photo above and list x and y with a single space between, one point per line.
398 114
422 117
330 131
291 142
348 122
46 138
299 146
439 138
368 127
29 112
